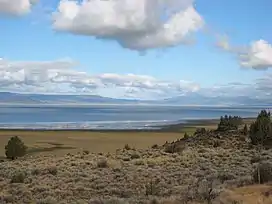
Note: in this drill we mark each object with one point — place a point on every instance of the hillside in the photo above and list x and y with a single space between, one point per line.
209 165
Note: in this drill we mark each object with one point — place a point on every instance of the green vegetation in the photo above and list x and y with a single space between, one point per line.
18 177
260 132
229 123
15 148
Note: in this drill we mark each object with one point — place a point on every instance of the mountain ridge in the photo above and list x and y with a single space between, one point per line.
190 99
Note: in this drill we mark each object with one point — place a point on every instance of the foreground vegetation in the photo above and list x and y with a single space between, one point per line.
223 166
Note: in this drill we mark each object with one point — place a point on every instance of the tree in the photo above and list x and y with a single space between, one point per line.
229 123
261 130
15 148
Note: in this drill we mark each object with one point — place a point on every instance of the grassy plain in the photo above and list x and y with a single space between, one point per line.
62 142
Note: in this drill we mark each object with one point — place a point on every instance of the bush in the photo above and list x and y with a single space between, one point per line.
85 152
263 173
199 131
174 148
127 147
186 136
18 177
15 148
135 155
260 132
155 146
52 170
102 163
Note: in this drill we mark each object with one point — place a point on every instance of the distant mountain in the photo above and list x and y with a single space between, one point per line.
16 98
198 99
189 99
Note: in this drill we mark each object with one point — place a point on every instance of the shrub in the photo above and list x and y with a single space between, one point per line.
85 152
127 147
15 148
135 155
186 136
18 177
174 148
35 171
155 146
260 132
102 163
139 162
263 173
52 170
199 131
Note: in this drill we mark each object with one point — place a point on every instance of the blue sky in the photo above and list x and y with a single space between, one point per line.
32 34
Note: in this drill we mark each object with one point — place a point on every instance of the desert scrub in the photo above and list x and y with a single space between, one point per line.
52 170
135 155
174 148
139 162
47 200
35 171
102 163
18 177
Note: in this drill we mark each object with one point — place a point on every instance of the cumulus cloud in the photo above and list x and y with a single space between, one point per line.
258 55
16 7
60 76
134 24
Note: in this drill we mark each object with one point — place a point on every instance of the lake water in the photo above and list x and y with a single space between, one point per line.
109 117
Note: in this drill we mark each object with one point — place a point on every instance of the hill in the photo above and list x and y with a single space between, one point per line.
208 167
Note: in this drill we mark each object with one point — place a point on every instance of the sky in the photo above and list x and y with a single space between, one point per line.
145 49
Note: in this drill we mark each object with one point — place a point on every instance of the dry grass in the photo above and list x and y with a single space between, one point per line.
255 194
61 142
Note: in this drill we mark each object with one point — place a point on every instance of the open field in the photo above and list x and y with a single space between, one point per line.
62 142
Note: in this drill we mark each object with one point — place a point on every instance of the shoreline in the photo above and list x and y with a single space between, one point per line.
175 127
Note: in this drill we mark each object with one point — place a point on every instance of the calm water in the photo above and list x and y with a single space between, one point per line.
109 117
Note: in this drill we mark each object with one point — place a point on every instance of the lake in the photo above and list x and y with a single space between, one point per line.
110 116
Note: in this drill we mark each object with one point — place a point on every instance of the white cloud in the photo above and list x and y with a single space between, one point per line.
16 7
60 76
135 24
256 56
